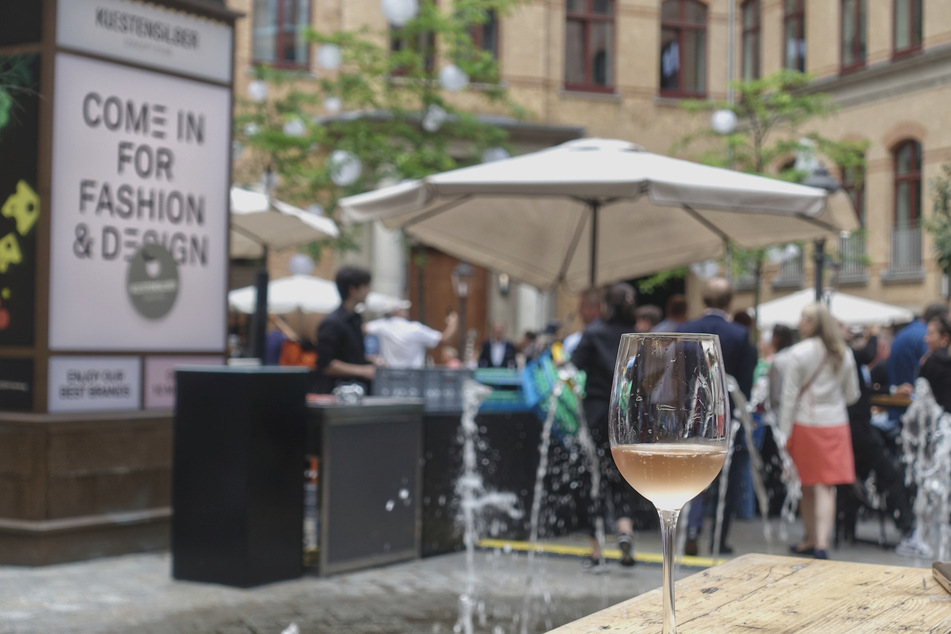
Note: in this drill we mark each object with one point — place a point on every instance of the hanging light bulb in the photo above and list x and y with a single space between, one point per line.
399 12
329 56
494 154
723 121
333 104
434 117
345 168
257 91
295 127
300 264
251 129
452 78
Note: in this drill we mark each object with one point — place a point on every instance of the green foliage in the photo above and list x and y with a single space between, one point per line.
384 95
770 113
939 223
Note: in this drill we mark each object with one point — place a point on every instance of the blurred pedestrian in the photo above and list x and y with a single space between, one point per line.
739 361
341 356
820 382
675 314
596 355
589 309
497 351
404 343
646 317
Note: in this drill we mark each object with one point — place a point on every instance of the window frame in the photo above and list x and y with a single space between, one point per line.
682 27
588 18
914 19
753 32
913 177
280 36
860 9
798 15
477 33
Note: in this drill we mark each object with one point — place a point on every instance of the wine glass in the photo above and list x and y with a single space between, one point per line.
669 426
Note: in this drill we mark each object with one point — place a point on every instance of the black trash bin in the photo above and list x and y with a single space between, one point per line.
237 478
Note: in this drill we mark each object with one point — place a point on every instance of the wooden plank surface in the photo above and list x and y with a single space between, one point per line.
767 593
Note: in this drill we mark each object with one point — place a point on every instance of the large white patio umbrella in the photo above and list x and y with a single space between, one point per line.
594 211
259 224
849 309
307 294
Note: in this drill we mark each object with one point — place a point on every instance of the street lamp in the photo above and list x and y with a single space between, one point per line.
461 278
821 178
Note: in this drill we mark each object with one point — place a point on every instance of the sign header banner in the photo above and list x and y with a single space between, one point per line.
147 34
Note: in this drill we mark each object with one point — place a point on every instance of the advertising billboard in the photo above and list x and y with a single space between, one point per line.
139 210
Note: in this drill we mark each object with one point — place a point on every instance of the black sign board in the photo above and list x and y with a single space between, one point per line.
20 21
16 385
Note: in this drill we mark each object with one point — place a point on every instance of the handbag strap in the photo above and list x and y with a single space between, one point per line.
812 378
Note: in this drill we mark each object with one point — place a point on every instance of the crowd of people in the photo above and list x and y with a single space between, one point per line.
811 387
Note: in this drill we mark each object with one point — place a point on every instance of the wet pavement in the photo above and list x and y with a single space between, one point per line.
136 593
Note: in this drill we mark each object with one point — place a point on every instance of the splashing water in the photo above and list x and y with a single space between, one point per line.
926 449
474 497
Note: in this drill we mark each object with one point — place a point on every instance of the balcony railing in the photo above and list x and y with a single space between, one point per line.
852 258
791 272
905 254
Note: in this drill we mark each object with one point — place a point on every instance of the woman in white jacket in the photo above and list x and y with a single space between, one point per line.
819 382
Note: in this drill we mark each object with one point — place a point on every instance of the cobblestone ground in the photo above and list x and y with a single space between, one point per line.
136 594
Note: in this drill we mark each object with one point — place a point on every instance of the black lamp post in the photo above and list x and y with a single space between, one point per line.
461 278
820 178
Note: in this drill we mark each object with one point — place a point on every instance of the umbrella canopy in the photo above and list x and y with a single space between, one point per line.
258 224
594 211
307 294
849 309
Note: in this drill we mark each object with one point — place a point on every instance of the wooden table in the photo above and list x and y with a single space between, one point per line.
766 593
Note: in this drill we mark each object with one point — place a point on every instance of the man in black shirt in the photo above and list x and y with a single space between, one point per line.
341 357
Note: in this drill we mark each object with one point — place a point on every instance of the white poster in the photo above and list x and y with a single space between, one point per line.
160 378
147 34
93 383
139 210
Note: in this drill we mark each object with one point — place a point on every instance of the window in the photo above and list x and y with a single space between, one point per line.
589 45
852 254
486 35
683 48
906 232
278 32
907 158
750 12
853 34
908 27
421 43
794 35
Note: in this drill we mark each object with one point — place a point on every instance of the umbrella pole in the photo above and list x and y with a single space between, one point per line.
595 208
259 322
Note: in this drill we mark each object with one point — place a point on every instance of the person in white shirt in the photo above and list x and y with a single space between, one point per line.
404 343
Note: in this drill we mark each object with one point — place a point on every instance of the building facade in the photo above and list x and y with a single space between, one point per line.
622 68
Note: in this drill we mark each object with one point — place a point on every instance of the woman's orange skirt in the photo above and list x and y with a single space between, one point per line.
822 455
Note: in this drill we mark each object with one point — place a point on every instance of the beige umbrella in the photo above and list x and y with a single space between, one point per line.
594 211
259 224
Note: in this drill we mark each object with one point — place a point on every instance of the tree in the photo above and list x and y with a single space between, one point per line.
939 223
381 109
770 113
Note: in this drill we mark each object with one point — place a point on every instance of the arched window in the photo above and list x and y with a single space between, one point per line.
907 27
683 48
907 157
853 34
794 35
750 38
589 45
852 246
906 230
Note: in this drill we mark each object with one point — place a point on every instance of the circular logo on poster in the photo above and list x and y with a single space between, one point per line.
152 282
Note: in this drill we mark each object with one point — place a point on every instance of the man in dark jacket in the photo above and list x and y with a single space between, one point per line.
739 361
341 357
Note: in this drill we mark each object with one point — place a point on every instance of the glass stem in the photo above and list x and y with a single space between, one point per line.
668 528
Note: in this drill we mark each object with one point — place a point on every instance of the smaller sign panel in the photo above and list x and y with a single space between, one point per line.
147 34
16 385
160 378
78 384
